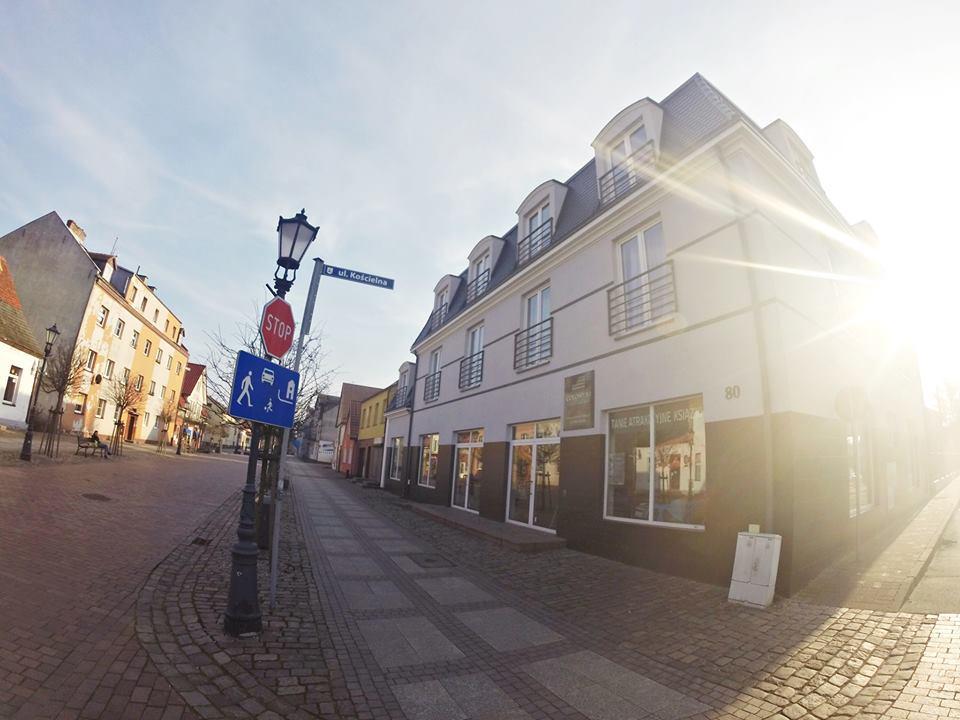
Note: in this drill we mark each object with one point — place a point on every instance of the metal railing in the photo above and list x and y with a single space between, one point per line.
471 370
478 286
633 171
438 316
400 399
534 345
536 242
642 300
431 387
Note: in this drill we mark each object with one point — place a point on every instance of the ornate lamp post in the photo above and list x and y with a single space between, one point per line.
51 337
242 615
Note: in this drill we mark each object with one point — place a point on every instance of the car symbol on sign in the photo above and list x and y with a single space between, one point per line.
267 376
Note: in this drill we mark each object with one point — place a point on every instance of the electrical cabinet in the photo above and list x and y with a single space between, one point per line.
755 569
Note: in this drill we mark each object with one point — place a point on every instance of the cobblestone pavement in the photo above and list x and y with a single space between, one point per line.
76 541
383 613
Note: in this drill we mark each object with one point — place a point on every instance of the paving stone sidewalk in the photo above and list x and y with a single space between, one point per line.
386 614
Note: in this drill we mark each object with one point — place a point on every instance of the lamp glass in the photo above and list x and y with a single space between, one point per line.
294 237
52 333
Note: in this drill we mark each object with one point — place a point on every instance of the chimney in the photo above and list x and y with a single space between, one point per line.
77 231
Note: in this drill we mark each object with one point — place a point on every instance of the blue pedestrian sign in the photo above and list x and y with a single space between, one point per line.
357 277
263 391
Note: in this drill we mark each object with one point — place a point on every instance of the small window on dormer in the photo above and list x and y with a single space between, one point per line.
441 299
627 145
538 217
481 265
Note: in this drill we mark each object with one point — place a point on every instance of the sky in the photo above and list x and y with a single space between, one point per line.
408 131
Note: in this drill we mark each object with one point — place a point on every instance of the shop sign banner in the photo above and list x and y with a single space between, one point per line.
578 401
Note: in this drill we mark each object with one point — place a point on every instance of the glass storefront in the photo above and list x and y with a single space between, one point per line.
428 460
468 470
656 463
534 491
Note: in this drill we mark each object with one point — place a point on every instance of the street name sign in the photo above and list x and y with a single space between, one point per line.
358 277
276 327
263 391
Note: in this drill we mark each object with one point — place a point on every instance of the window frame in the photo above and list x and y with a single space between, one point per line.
101 408
82 405
423 450
135 339
108 369
626 140
147 348
102 315
91 362
17 377
396 463
119 328
686 527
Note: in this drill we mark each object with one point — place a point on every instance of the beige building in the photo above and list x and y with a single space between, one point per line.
113 317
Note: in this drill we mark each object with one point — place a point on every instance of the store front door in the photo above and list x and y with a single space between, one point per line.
468 470
534 490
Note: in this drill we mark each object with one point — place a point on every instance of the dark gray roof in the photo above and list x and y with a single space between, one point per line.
692 114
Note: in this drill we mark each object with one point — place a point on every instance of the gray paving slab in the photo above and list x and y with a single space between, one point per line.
409 566
334 531
428 701
399 547
481 698
341 546
453 590
507 629
383 533
354 566
590 698
407 641
373 595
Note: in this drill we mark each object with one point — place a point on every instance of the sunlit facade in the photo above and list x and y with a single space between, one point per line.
650 360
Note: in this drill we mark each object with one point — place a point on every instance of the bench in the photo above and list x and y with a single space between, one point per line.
88 444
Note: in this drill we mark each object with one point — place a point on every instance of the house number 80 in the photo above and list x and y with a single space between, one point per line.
732 392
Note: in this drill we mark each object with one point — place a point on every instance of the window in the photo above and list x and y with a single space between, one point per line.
396 458
166 325
118 330
143 305
13 384
534 344
133 295
156 422
169 361
471 367
156 316
537 307
538 217
147 347
81 404
153 388
135 339
428 464
159 355
656 464
363 418
643 297
102 316
126 375
468 470
146 420
534 489
481 265
179 367
101 408
627 145
139 384
163 391
859 471
439 313
431 384
108 371
91 360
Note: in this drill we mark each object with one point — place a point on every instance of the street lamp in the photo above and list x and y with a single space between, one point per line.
242 616
294 236
51 336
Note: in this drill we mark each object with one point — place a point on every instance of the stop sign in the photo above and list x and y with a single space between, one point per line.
276 327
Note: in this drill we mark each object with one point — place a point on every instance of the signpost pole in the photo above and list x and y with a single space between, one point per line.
280 485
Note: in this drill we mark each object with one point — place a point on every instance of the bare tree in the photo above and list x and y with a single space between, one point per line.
168 414
63 377
125 396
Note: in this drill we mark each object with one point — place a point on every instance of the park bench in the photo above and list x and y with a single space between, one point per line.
88 444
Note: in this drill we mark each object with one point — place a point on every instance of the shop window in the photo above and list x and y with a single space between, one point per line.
656 464
859 471
428 463
468 470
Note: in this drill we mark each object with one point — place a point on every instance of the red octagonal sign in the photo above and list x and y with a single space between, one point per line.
276 327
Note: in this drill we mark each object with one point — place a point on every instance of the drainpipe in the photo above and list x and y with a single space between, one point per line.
413 402
762 353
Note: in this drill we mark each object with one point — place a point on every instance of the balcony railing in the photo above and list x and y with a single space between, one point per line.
478 286
642 300
431 387
536 242
400 399
471 371
438 316
632 172
534 345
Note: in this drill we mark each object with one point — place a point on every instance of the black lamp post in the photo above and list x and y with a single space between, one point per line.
51 337
242 616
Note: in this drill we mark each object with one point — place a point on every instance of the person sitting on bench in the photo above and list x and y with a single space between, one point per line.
102 446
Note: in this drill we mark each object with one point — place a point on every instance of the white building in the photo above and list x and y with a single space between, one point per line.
19 354
650 360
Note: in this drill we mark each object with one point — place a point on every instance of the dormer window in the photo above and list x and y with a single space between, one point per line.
627 146
479 277
630 156
539 227
440 306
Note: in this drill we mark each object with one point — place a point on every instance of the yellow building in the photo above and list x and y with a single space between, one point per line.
372 428
129 337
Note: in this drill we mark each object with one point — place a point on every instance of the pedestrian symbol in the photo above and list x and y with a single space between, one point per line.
263 391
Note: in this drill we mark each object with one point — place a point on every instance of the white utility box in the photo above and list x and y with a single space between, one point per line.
755 569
